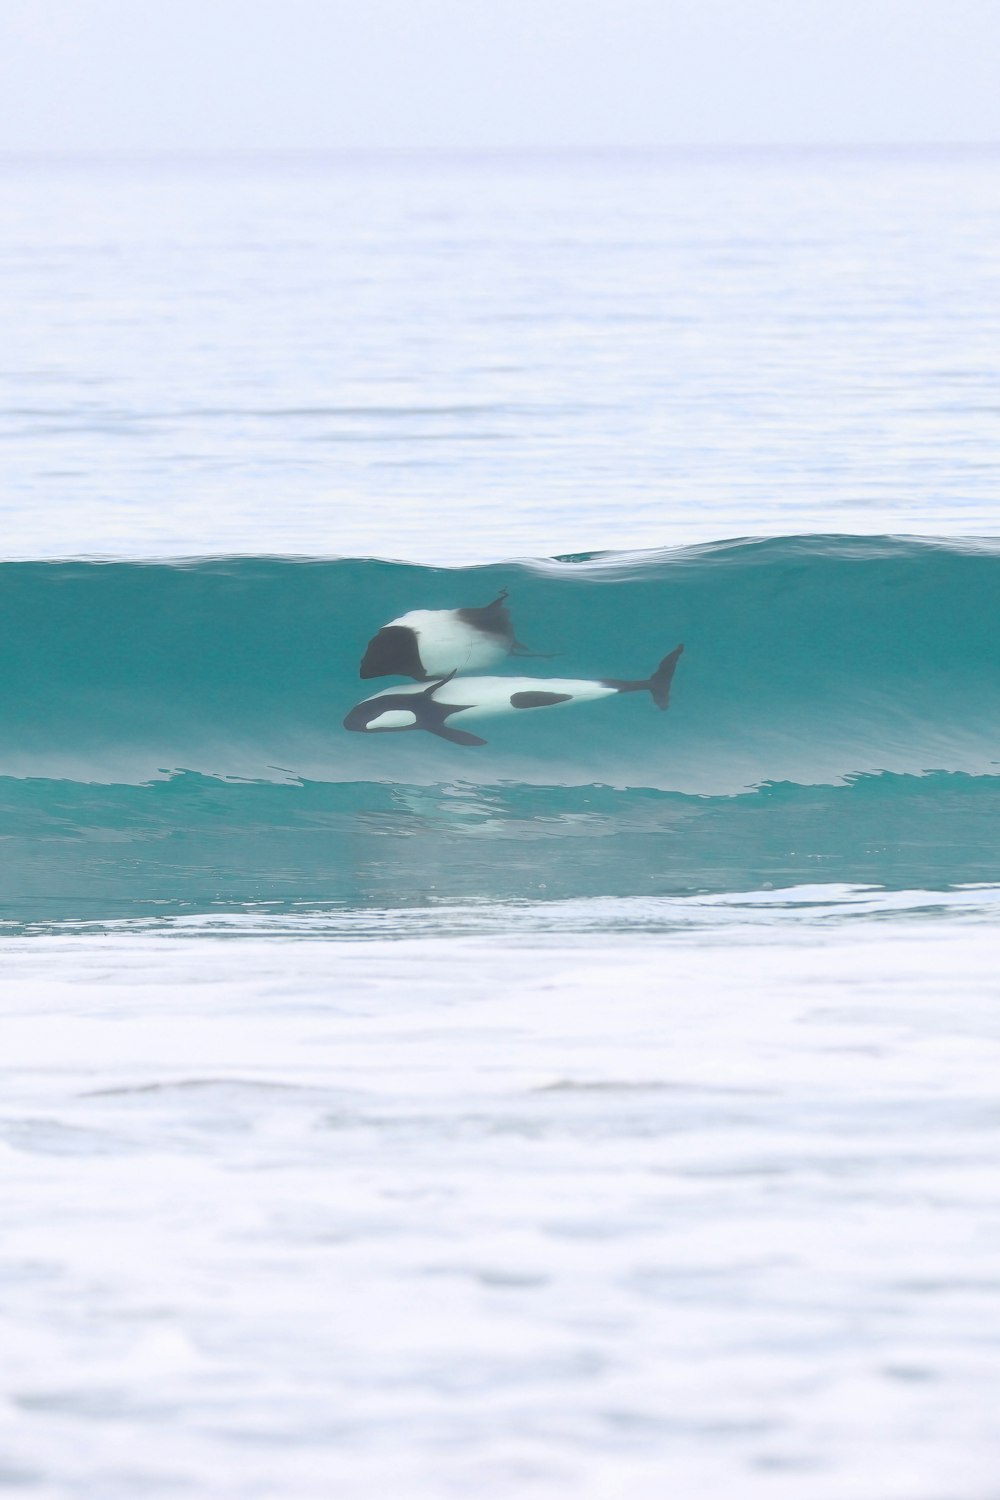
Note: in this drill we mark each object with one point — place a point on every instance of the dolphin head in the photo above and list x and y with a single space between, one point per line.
393 652
380 716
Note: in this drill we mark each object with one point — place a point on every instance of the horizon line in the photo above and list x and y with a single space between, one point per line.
497 149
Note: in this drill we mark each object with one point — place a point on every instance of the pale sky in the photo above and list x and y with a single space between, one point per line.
219 74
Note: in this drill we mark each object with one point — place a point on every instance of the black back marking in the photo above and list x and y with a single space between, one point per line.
538 699
492 619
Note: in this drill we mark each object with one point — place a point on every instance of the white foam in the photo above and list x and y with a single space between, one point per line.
709 1211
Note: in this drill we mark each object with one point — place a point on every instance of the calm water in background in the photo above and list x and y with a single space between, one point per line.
459 360
692 1195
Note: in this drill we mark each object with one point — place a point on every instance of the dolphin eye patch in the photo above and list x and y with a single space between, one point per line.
538 700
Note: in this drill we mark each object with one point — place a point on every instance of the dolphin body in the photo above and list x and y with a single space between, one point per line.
452 701
428 644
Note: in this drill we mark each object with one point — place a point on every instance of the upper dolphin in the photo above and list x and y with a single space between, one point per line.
432 643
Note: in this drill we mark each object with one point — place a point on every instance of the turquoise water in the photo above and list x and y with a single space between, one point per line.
172 733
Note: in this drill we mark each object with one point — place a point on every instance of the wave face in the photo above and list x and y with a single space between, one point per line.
172 733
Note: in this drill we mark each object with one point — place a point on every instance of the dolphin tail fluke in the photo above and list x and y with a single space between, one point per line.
659 683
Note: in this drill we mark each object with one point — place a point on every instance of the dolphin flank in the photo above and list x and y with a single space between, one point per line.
429 644
452 701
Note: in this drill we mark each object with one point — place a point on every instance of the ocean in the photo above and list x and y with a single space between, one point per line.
604 1108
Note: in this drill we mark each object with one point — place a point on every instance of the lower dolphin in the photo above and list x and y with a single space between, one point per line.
440 707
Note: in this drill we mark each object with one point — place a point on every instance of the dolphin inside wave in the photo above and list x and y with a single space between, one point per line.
429 644
450 701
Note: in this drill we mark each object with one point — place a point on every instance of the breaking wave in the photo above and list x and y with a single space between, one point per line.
172 733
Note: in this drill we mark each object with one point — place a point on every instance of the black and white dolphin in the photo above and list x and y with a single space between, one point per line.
450 701
431 643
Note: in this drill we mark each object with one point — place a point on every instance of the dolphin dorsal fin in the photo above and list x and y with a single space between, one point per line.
432 687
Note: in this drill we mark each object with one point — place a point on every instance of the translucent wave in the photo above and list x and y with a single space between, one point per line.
173 732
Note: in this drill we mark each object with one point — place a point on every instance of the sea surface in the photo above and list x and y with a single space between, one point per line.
608 1109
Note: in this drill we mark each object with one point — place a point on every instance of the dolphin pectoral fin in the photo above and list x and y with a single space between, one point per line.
520 649
457 736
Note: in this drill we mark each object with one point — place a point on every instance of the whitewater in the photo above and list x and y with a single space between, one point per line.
605 1109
